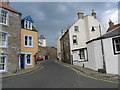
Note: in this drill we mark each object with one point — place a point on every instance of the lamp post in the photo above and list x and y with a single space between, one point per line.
102 48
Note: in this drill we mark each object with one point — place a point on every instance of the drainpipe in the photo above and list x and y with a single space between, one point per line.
103 55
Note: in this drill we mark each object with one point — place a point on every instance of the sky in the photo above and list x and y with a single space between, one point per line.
51 17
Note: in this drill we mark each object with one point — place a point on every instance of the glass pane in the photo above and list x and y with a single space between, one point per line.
30 41
28 58
3 17
76 28
26 40
118 48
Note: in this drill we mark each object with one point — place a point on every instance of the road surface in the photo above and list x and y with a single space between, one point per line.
54 75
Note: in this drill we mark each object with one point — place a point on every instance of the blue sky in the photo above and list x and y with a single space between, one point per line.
51 17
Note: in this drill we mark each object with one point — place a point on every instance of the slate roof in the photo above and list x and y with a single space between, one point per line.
41 37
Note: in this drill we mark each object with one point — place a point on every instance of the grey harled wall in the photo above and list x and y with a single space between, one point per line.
14 43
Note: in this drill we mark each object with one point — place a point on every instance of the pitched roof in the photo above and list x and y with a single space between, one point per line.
113 27
41 37
9 8
29 18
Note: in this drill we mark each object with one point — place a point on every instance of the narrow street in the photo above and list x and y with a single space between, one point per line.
54 75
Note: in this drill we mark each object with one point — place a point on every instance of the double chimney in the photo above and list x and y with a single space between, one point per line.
81 14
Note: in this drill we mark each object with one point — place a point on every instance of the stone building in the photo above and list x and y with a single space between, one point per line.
65 48
29 43
10 25
74 38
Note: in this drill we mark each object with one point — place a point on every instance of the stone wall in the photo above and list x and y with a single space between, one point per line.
14 42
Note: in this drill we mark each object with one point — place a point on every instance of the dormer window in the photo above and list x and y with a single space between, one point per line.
28 24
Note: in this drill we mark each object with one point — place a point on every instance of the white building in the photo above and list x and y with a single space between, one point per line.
84 29
111 52
42 41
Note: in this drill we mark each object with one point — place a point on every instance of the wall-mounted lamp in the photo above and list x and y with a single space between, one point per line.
2 52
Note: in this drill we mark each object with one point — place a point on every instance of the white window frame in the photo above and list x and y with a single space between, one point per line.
115 44
6 43
7 17
28 41
75 29
30 58
75 39
6 59
28 24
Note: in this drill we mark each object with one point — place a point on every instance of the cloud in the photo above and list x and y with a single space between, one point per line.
61 8
111 14
37 13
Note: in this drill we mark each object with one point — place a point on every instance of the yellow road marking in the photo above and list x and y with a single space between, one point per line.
93 77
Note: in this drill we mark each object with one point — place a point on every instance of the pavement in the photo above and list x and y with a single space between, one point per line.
93 74
22 71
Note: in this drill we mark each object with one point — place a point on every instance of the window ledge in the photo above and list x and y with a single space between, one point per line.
4 24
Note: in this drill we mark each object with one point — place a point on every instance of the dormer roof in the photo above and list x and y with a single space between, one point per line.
41 37
29 18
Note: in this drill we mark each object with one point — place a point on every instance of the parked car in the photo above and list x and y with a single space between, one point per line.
40 59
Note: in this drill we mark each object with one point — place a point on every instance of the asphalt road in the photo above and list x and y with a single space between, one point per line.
54 75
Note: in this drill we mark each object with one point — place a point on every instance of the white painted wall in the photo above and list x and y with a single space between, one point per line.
43 42
95 60
111 60
85 34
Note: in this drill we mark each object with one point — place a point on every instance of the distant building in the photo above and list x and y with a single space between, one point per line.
42 41
73 41
111 51
10 25
29 43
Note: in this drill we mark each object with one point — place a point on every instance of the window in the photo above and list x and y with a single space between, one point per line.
116 44
76 28
4 17
28 24
28 41
28 58
75 40
3 39
3 63
82 54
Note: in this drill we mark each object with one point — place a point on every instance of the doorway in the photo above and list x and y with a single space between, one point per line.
22 61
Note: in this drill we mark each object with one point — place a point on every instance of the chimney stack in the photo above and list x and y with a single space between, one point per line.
93 14
111 24
80 14
5 2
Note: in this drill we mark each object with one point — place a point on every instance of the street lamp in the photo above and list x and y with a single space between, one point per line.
99 28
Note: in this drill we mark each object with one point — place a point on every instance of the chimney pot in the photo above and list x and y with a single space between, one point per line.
93 14
80 14
111 24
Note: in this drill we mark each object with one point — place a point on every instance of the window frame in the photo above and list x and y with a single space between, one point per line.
77 28
6 46
114 45
7 17
83 52
27 24
6 63
28 41
30 58
74 39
